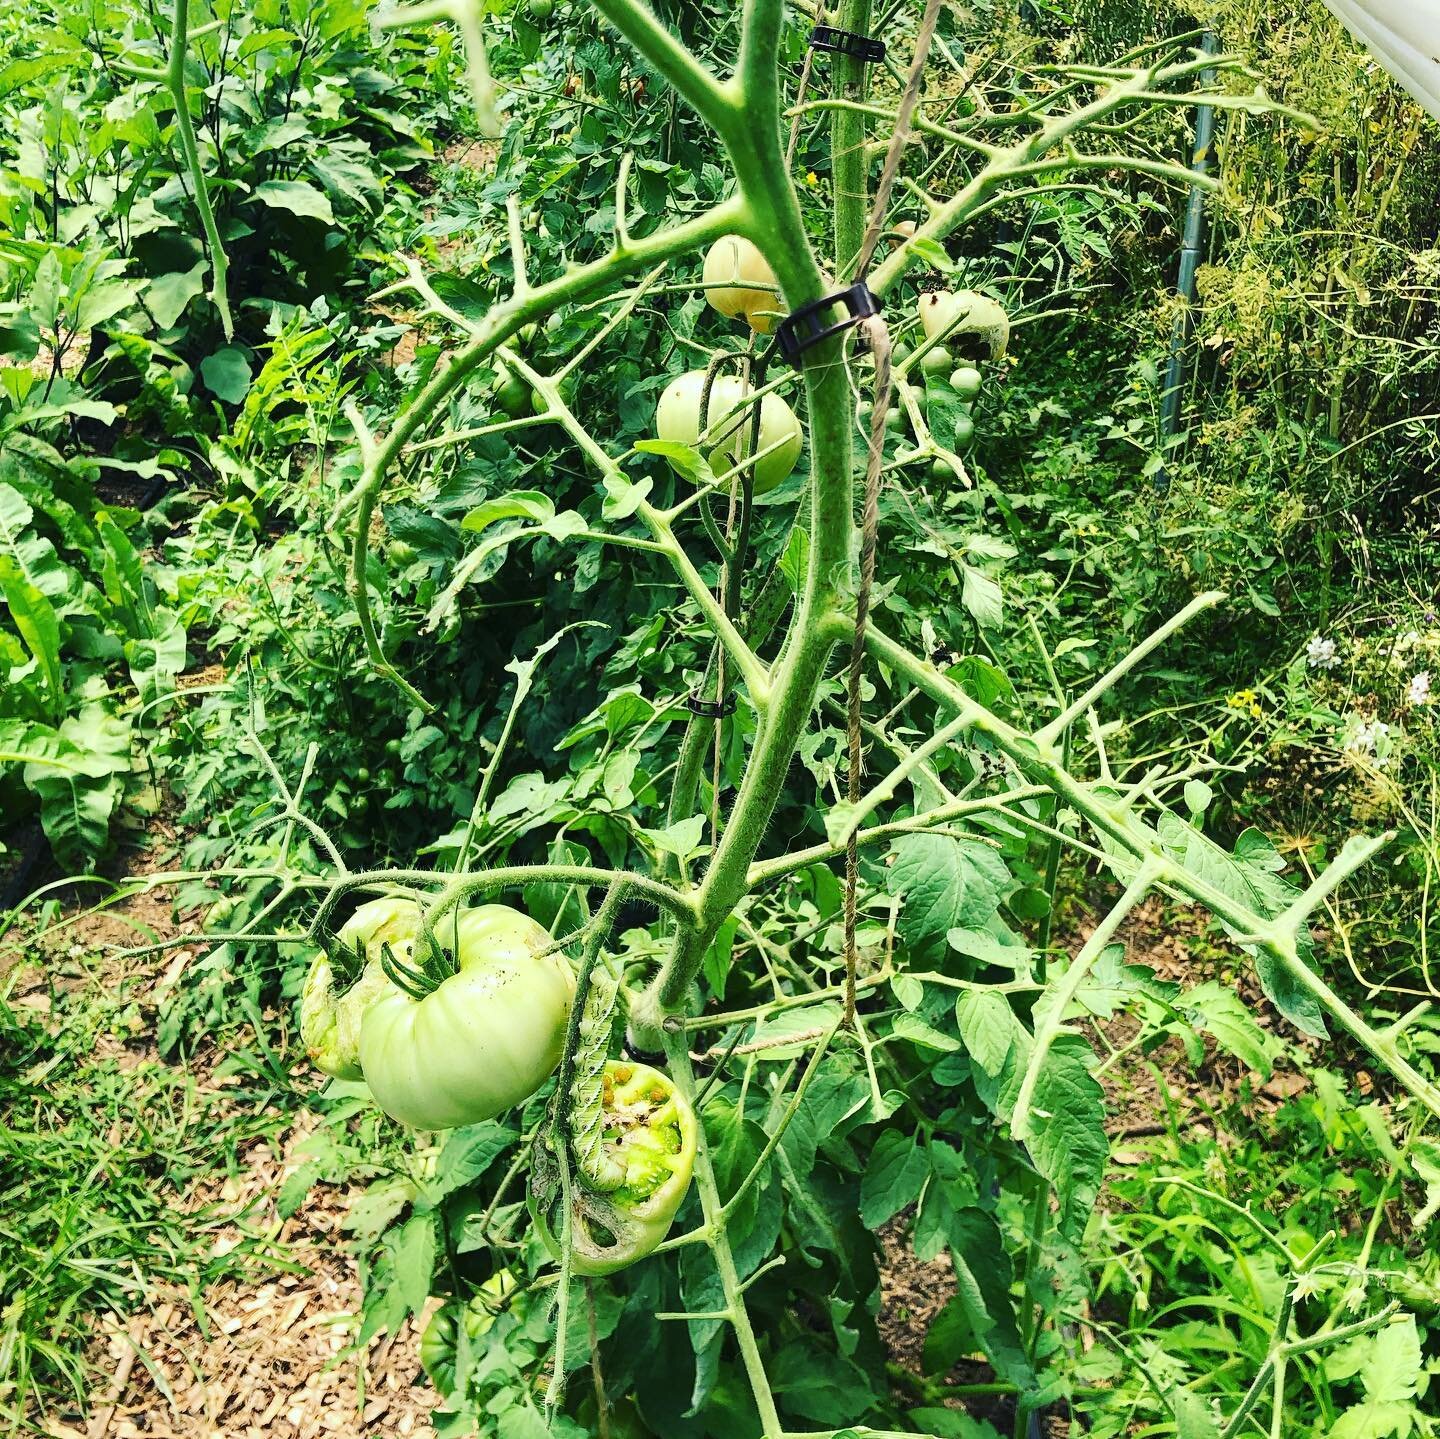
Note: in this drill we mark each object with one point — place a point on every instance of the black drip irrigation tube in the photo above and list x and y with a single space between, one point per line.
1192 245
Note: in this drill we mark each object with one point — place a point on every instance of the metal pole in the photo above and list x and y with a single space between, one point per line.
1192 244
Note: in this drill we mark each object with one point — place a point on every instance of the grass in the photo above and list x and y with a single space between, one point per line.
104 1152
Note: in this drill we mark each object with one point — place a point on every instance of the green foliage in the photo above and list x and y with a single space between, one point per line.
115 381
461 607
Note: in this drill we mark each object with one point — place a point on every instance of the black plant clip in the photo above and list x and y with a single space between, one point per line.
847 42
711 709
804 328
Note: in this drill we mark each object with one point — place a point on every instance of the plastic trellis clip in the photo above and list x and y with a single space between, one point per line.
847 42
711 709
804 328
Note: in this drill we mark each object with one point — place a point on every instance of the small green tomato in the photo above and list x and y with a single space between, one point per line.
966 382
936 360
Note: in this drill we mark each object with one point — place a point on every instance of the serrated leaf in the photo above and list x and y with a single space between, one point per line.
1067 1139
624 497
945 884
989 1030
913 1028
982 597
466 1155
1221 1012
682 839
894 1176
519 504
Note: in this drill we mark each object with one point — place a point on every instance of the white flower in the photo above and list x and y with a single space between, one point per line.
1368 737
1419 691
1320 653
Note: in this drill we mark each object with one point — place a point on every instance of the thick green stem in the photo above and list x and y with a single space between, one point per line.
772 217
189 147
848 168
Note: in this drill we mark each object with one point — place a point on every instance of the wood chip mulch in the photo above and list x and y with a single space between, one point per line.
273 1357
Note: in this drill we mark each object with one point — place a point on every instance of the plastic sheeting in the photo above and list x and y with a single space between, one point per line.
1404 36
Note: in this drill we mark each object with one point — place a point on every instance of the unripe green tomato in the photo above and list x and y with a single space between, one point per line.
936 360
330 1017
401 552
358 804
483 1041
895 420
735 275
941 471
541 9
438 1342
650 1134
964 312
538 403
966 382
362 775
964 430
392 748
526 333
677 420
512 395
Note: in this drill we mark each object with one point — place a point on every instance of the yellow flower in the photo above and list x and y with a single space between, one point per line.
811 179
1243 700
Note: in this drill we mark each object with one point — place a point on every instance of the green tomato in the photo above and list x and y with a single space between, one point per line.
649 1137
439 1342
936 360
941 471
896 420
966 313
392 748
512 396
541 9
481 1042
964 430
402 552
331 1009
740 284
677 420
966 382
362 775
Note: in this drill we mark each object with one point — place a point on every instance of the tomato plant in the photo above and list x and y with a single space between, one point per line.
856 1005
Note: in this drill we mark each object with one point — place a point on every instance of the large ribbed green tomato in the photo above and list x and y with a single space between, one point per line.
329 1015
485 1039
649 1136
677 419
